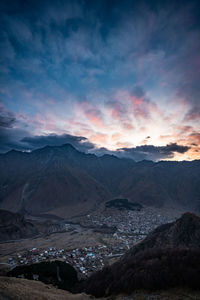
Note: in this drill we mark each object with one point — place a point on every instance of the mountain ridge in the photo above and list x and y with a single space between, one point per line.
52 177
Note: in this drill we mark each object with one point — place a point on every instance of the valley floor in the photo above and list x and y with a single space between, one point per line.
89 242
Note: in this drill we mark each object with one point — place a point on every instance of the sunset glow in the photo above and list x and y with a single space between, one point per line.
129 77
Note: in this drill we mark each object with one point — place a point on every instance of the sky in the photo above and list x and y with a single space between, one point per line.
115 77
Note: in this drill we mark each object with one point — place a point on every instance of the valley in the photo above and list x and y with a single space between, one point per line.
89 242
61 207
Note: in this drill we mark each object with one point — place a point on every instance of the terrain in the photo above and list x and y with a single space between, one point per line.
14 226
123 204
58 273
63 181
23 289
168 257
184 232
58 203
165 265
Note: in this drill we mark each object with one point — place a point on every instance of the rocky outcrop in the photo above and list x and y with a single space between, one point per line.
13 226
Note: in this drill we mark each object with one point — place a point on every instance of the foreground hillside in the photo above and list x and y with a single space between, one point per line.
58 273
23 289
169 257
66 182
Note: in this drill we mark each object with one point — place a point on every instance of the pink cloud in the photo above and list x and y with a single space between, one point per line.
99 139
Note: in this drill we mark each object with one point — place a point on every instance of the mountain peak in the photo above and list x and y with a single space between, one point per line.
68 146
188 216
184 232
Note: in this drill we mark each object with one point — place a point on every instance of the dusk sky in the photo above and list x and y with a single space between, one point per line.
112 76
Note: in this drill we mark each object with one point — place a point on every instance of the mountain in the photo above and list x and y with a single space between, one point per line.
47 179
164 182
63 181
168 257
13 226
184 232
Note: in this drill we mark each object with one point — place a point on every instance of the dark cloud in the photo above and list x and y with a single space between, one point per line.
14 138
193 114
79 142
144 152
173 147
151 152
9 136
7 118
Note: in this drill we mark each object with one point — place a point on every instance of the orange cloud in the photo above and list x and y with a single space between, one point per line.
116 136
194 137
91 113
94 119
128 126
99 139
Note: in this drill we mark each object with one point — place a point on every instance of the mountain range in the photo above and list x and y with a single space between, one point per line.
63 181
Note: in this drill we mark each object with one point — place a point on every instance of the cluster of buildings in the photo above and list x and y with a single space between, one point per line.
84 260
138 223
130 227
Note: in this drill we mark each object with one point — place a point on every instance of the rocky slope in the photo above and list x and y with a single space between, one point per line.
13 226
66 182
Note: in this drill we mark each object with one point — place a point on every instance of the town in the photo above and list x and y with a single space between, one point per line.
121 228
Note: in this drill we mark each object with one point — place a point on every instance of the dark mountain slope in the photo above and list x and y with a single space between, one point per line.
164 183
50 178
184 232
55 177
149 270
13 226
168 257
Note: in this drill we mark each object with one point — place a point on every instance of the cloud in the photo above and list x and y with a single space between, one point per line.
16 138
150 152
194 138
193 114
144 152
9 135
79 142
124 67
7 118
13 136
